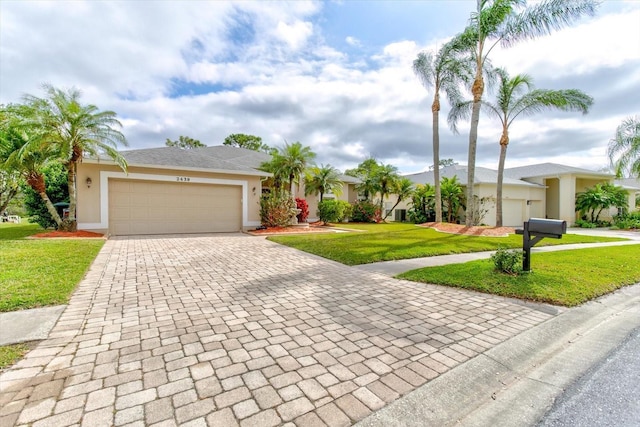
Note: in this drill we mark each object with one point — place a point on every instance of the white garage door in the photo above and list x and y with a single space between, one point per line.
148 207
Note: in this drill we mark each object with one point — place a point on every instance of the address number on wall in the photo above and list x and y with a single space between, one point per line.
183 179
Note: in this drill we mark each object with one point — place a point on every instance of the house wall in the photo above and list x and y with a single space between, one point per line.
519 203
552 197
90 210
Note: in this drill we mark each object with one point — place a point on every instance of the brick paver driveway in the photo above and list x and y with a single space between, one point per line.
230 329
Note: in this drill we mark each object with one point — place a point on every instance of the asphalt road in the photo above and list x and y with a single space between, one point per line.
608 394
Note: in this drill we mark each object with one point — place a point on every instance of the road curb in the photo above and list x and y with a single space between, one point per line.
516 382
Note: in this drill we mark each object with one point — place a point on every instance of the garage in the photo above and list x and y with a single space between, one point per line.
148 207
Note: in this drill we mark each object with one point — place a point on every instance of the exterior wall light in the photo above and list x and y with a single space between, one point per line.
89 182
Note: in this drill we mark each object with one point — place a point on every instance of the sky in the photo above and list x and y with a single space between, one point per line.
336 76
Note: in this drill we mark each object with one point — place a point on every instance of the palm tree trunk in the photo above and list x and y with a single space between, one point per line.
504 142
478 88
36 181
10 195
435 109
70 224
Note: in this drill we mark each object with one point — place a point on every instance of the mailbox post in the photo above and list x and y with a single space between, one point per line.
539 228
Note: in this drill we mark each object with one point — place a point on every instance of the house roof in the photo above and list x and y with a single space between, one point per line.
628 183
482 176
550 169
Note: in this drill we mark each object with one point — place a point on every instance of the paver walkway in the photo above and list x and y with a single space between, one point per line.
229 329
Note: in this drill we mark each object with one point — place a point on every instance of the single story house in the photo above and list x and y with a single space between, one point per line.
546 190
169 190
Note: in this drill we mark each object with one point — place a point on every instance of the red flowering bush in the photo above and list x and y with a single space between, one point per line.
304 209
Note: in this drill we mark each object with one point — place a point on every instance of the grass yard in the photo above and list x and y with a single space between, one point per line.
393 241
40 272
566 278
10 354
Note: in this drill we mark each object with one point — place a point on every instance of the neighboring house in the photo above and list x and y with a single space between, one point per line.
348 193
632 185
170 190
546 190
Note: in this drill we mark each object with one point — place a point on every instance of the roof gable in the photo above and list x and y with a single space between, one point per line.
550 169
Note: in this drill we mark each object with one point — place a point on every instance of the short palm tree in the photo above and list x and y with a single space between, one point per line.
516 97
403 190
624 149
321 180
446 70
16 153
74 130
506 22
289 163
385 179
452 197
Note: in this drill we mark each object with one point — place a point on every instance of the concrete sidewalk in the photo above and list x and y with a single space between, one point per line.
516 382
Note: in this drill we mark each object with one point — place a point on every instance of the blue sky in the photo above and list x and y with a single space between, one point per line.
333 75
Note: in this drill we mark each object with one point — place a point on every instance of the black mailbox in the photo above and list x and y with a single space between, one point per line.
548 227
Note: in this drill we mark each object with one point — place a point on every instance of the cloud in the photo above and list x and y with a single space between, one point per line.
352 41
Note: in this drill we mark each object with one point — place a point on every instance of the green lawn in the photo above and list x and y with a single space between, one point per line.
564 278
393 241
40 272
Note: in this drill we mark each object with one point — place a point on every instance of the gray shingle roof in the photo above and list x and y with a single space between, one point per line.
549 169
482 176
217 158
628 183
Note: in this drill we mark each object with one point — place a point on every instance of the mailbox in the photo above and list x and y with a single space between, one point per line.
547 227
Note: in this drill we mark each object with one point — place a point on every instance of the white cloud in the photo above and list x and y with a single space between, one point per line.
352 41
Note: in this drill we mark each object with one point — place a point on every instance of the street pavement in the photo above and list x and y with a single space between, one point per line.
236 330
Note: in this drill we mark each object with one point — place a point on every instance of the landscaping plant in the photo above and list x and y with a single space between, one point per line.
304 209
333 210
507 261
277 208
365 211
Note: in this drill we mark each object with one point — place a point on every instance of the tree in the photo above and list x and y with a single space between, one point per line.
447 70
624 148
185 143
289 163
444 163
18 137
452 197
73 130
506 22
323 179
516 97
403 188
365 172
600 197
250 142
422 204
385 181
55 177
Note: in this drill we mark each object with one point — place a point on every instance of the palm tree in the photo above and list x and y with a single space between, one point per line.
403 189
365 172
289 163
16 154
444 71
452 197
624 149
600 197
323 179
74 130
385 179
505 22
515 98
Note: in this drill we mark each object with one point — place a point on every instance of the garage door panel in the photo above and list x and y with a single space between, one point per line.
148 207
512 212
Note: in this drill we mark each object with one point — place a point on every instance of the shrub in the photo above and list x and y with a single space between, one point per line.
585 224
508 261
276 209
333 210
57 189
629 221
304 209
365 211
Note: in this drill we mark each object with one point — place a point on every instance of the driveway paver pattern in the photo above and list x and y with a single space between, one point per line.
226 330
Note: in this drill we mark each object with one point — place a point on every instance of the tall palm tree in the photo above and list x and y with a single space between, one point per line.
385 179
507 22
323 179
404 190
624 149
516 97
16 153
447 70
75 130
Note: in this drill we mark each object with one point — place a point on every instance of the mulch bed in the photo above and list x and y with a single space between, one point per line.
446 227
313 228
80 234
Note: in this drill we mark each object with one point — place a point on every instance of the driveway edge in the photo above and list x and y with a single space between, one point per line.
516 382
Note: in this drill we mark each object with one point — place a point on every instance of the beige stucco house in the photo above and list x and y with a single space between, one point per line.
545 190
169 190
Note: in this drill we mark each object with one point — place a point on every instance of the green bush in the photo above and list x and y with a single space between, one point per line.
508 261
55 177
365 211
276 209
629 221
582 223
333 210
